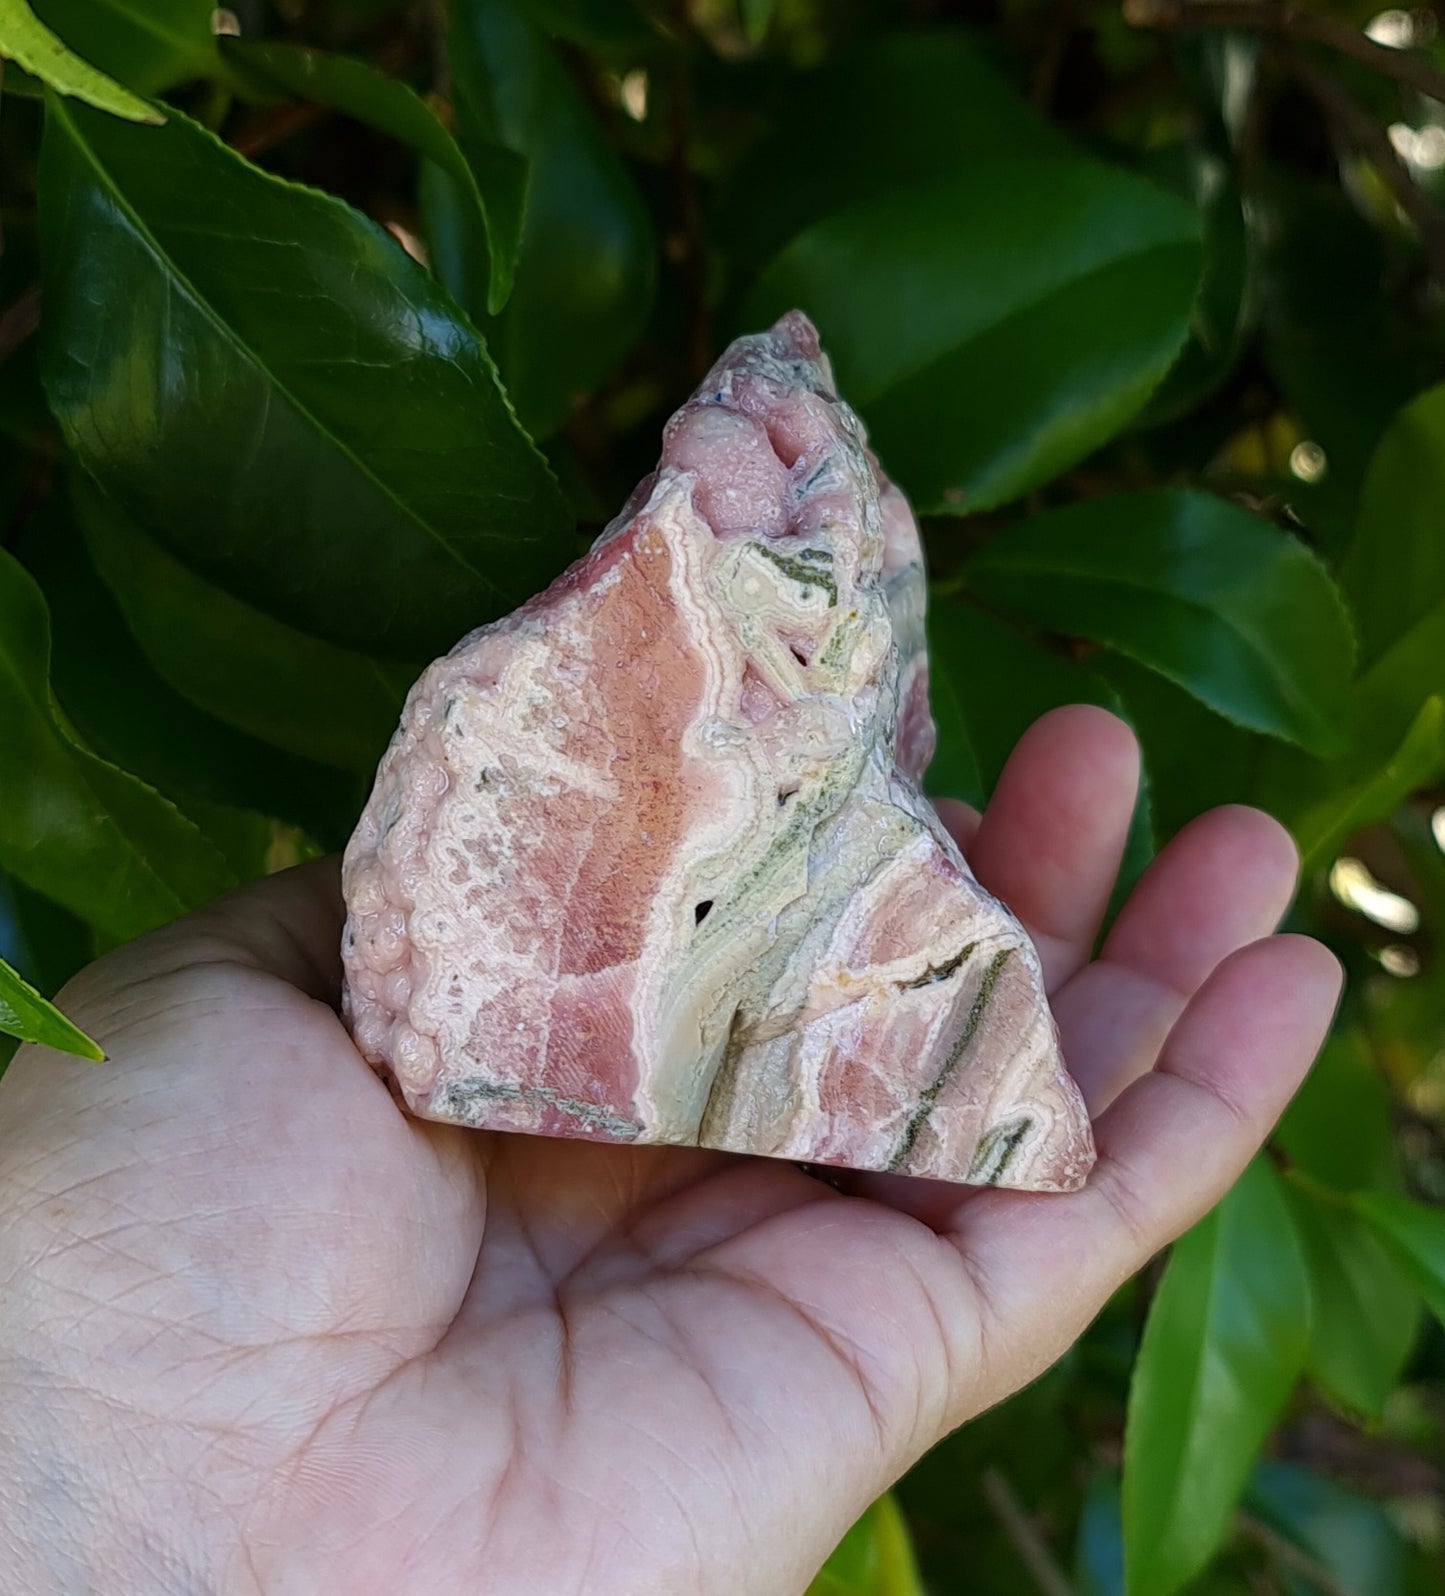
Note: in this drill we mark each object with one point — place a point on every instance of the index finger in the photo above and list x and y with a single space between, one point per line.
1053 833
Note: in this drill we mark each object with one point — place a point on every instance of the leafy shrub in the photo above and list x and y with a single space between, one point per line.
350 339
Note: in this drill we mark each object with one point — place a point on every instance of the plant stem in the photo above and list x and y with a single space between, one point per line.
1033 1550
1355 126
1288 22
1287 1554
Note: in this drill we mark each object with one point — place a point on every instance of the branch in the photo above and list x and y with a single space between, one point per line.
1287 1554
1033 1550
1288 22
1355 126
275 125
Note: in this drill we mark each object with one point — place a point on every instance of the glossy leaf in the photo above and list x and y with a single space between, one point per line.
1238 613
227 784
1320 829
26 40
73 826
358 90
1196 759
46 943
1395 569
1227 1336
299 693
586 260
757 18
148 44
286 400
1392 693
1349 1536
875 1558
1342 352
126 713
606 26
904 103
1395 746
1339 1128
995 326
970 652
1414 1235
1223 308
1365 1315
954 771
27 1015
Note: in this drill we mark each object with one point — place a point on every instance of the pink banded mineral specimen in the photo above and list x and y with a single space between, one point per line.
647 860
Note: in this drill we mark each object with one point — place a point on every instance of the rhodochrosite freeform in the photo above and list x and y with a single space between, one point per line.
647 860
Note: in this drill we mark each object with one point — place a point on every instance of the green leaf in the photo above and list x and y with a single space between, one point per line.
1222 309
1238 613
149 44
586 263
27 1015
1414 1235
1339 1128
608 27
971 655
1322 827
1195 758
1395 690
26 40
126 713
954 771
46 943
358 90
1335 340
923 103
996 325
264 380
1394 570
875 1558
1365 1315
244 838
307 696
1396 745
1347 1535
757 18
73 826
19 85
1226 1339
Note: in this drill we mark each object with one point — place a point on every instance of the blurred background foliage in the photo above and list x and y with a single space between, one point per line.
356 336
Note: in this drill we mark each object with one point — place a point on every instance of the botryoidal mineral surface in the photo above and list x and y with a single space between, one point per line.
647 860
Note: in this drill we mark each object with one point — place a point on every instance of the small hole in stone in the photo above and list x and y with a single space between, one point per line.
798 654
701 911
784 793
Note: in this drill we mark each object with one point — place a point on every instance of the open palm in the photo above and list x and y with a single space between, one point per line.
261 1332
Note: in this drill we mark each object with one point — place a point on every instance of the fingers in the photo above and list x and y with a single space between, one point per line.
1053 834
1168 1150
288 924
961 820
1224 881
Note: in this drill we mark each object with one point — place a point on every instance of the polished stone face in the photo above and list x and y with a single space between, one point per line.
647 860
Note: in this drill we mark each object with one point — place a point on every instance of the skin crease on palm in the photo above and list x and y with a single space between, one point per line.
261 1332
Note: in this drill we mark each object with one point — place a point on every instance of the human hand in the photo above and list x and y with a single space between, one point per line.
260 1332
